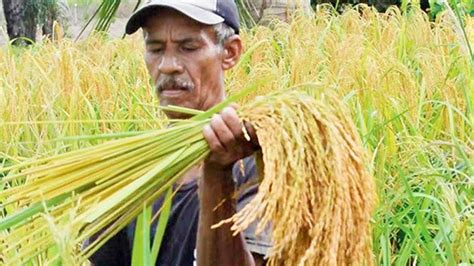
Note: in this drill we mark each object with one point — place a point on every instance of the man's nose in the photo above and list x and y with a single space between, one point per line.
170 65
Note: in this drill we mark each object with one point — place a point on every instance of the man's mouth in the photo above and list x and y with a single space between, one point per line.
172 91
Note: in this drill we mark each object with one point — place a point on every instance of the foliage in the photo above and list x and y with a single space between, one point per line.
104 16
466 7
409 90
38 10
246 19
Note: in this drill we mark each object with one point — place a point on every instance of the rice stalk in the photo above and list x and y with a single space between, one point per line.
316 193
111 181
406 80
325 186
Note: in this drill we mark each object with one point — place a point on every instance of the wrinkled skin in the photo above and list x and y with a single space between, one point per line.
184 61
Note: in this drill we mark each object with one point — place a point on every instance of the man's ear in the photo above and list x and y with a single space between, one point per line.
232 52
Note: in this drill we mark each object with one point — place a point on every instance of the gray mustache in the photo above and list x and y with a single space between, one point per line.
167 81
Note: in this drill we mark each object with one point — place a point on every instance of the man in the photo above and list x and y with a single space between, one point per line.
189 45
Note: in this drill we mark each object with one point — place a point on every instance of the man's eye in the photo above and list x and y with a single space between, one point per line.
189 48
156 50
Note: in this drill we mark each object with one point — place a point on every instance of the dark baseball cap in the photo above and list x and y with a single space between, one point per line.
209 12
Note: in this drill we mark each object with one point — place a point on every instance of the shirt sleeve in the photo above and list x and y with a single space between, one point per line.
245 177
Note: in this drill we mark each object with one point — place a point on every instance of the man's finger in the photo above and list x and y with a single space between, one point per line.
231 119
212 139
222 132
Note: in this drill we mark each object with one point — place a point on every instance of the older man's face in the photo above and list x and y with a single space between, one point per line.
184 61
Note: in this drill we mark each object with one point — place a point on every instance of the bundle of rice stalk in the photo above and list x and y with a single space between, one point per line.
107 186
314 191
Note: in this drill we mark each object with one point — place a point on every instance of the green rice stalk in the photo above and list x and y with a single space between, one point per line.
111 181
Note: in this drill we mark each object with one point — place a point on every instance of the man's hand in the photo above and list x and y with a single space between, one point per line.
226 139
216 190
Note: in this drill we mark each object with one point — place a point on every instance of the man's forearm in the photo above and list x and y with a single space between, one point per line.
218 246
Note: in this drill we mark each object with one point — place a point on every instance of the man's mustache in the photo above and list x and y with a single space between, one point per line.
173 82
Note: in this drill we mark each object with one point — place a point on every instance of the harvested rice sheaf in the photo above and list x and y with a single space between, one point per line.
315 190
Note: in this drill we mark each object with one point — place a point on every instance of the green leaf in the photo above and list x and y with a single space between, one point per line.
22 216
160 228
141 241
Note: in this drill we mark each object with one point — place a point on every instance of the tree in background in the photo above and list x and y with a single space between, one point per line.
17 27
23 17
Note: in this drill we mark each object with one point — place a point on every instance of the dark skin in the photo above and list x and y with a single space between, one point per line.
187 66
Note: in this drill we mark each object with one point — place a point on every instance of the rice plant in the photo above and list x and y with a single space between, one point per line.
408 83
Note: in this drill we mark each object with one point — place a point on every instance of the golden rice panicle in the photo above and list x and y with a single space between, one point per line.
316 191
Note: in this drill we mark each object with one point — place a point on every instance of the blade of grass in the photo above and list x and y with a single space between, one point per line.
161 226
141 241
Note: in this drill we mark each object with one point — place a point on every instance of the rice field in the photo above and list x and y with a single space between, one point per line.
408 83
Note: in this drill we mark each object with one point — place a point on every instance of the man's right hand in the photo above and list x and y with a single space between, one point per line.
226 139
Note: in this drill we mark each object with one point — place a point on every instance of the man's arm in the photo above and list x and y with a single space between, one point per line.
216 190
219 246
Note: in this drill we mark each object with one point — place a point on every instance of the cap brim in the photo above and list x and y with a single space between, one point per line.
199 14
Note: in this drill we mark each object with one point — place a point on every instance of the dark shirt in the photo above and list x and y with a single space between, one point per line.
179 240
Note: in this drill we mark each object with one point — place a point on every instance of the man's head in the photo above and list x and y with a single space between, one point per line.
189 45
